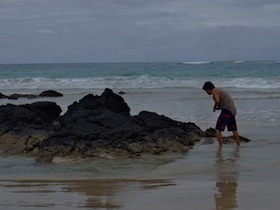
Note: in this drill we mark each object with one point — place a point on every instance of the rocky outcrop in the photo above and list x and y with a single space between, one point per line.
101 126
50 93
15 96
211 134
22 127
95 126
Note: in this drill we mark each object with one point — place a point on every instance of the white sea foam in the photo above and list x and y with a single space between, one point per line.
251 83
196 62
143 81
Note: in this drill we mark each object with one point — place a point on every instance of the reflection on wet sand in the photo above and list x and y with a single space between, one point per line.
103 193
227 174
95 194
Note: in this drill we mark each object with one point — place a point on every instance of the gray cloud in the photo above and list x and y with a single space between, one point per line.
124 30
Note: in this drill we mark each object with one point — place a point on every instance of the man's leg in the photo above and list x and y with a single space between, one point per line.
219 138
233 127
236 137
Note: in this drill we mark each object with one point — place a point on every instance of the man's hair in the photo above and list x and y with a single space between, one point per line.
208 86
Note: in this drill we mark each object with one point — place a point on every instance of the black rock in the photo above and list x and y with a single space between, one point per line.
99 126
95 126
210 132
50 93
2 96
15 96
23 126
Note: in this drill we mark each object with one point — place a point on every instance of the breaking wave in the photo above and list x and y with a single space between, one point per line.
195 62
143 81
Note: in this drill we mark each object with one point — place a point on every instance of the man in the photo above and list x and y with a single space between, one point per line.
223 101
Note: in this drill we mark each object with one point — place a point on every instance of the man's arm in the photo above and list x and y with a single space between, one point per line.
216 97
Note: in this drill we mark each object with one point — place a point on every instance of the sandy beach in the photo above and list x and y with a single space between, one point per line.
204 178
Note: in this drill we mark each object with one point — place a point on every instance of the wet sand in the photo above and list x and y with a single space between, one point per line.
226 191
205 178
73 194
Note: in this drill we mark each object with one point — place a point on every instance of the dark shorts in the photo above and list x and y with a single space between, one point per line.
226 119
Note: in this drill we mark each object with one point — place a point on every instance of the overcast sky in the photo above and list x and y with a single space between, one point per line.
36 31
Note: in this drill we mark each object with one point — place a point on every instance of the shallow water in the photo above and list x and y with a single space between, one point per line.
203 178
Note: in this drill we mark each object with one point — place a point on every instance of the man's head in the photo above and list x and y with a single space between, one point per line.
208 87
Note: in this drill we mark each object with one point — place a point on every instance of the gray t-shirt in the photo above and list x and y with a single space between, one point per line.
226 101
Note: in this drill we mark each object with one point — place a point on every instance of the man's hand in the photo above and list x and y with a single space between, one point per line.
215 108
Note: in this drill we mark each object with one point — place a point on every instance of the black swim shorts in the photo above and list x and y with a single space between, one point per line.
226 119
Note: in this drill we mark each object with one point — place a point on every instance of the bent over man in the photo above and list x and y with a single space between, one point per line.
223 102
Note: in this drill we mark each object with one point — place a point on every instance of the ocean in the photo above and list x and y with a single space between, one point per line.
259 75
173 89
